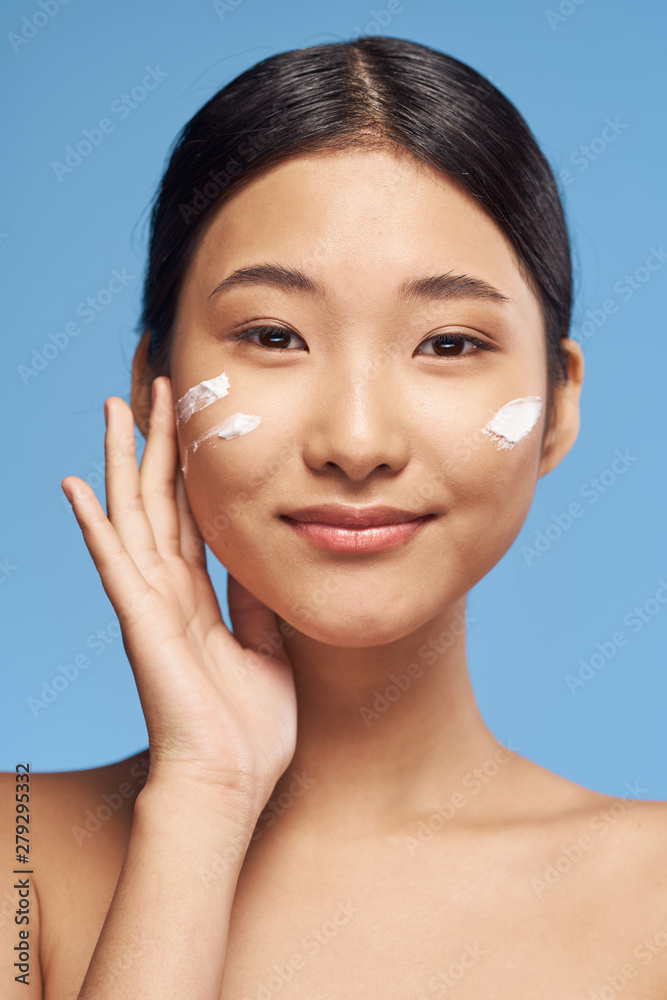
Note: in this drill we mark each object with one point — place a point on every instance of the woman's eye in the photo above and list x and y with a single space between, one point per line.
268 336
453 345
445 345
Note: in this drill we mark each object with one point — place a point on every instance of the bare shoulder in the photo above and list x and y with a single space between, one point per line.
636 833
623 840
592 867
82 819
64 809
604 856
628 830
78 805
636 830
79 827
552 797
629 823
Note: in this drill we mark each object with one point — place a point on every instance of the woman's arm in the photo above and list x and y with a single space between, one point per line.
166 930
221 720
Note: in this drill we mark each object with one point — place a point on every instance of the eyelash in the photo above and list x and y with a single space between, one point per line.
457 338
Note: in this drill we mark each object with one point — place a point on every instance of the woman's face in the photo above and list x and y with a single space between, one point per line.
363 394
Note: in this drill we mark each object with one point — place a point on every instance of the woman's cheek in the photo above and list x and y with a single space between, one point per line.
193 433
494 473
234 425
485 469
473 444
218 454
513 422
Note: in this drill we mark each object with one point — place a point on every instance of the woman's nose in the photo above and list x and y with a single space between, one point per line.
357 424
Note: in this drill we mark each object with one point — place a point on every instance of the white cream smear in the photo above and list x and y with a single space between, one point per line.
234 426
201 395
513 421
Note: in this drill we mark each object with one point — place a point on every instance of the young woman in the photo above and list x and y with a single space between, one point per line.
353 369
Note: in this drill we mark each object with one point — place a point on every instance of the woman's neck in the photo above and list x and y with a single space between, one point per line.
384 732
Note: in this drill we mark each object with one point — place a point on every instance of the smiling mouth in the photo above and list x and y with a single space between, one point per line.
359 538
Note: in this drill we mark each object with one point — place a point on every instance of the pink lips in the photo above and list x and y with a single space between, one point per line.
343 528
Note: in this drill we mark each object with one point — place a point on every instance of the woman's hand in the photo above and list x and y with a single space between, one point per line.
216 711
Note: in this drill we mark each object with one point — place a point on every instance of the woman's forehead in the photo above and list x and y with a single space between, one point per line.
351 211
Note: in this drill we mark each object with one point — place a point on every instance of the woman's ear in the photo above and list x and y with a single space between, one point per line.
140 393
564 425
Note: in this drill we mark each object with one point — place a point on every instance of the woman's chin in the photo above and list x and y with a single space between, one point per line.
355 625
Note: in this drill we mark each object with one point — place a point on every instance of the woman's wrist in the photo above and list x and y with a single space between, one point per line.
203 803
177 885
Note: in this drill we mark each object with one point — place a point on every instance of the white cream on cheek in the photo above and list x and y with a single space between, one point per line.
509 425
513 421
238 424
203 394
234 426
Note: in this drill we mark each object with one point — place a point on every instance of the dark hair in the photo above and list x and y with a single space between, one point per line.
373 90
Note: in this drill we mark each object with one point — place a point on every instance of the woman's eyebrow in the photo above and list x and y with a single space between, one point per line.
287 278
433 287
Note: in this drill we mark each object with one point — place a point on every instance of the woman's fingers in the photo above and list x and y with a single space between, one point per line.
157 471
125 505
162 487
193 547
124 584
251 620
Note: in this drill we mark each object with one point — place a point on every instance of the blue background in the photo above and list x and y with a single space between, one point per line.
537 615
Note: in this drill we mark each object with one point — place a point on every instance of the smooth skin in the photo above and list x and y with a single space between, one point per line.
406 853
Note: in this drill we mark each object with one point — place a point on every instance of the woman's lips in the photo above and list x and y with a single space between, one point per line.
339 538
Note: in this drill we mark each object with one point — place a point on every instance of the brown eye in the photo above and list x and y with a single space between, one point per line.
272 336
268 336
448 346
452 345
